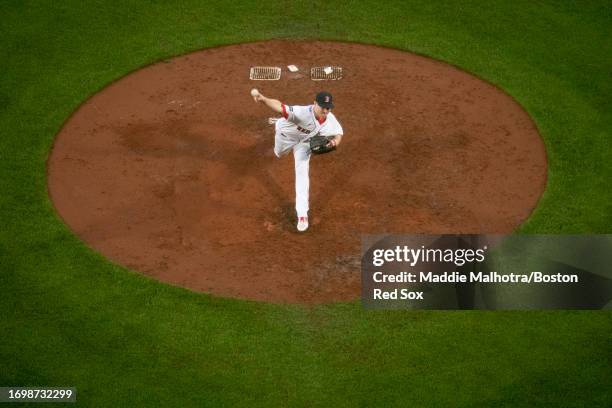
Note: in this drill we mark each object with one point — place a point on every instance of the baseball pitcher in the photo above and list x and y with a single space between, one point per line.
307 130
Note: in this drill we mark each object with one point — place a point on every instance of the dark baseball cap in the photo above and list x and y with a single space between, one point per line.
324 100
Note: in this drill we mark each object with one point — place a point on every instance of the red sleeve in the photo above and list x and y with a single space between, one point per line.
284 108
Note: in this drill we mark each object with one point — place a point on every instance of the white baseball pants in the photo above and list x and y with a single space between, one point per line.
301 154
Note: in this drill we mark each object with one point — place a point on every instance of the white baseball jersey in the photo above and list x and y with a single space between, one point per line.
292 132
300 123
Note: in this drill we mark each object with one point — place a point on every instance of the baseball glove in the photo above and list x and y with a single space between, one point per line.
322 144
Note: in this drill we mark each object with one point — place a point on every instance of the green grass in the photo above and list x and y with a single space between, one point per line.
68 317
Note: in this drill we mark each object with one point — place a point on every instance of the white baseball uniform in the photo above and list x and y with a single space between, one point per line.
292 132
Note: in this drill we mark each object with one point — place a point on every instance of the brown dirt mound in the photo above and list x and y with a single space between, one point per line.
170 171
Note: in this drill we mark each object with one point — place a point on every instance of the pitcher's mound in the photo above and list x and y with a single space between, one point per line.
170 170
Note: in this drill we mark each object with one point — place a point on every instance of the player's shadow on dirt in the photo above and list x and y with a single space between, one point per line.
174 139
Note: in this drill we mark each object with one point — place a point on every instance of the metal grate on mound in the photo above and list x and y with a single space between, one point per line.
325 73
265 73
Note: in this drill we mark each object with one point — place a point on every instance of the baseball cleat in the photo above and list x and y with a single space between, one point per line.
302 224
